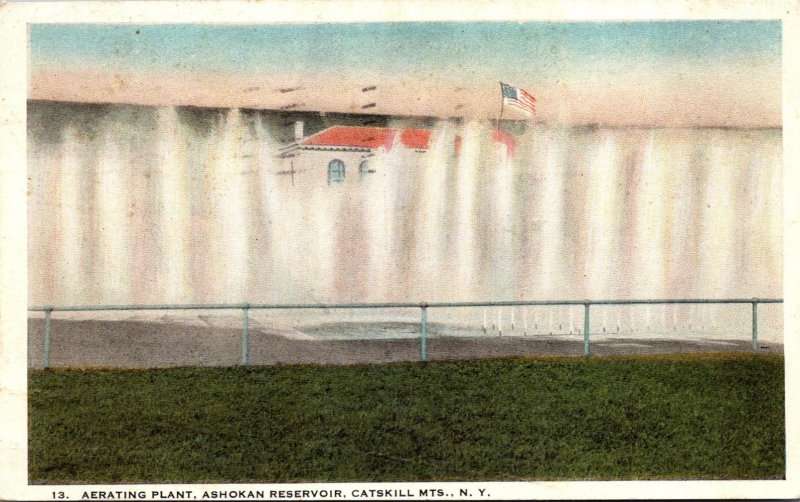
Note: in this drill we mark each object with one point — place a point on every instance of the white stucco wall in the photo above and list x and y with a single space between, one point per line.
309 168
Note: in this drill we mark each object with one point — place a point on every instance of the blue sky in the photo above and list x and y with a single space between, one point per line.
665 73
515 50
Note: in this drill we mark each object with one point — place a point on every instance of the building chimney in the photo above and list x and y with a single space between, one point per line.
298 130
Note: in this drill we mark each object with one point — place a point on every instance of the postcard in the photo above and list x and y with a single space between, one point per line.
379 250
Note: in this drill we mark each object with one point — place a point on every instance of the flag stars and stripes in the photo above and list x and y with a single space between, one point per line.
519 97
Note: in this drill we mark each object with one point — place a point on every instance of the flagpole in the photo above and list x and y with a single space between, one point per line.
502 103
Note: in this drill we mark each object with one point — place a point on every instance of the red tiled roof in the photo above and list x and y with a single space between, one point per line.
368 137
506 139
415 138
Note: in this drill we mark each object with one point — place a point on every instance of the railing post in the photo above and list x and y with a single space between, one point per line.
586 329
755 324
246 334
423 340
47 338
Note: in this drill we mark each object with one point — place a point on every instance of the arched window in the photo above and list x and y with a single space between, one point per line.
363 168
335 171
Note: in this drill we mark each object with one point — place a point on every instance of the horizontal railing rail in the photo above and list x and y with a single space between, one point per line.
423 306
511 303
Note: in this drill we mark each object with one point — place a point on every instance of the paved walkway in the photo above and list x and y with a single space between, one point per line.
137 344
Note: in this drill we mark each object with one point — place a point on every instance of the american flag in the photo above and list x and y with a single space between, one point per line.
518 97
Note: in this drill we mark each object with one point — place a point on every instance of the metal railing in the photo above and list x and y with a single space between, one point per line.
423 306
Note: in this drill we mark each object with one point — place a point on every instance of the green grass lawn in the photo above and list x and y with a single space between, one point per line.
715 416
